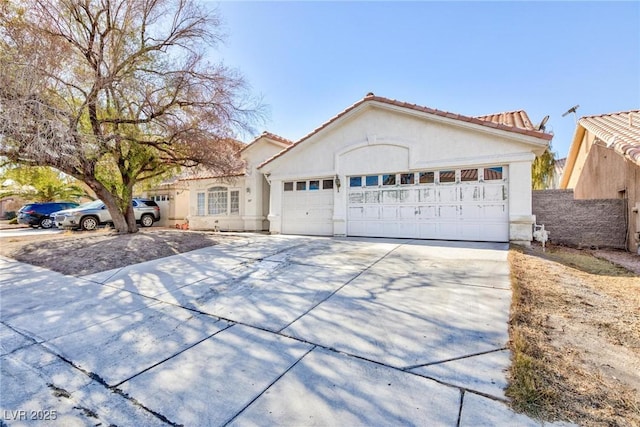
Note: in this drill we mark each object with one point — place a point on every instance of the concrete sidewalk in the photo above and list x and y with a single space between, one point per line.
264 330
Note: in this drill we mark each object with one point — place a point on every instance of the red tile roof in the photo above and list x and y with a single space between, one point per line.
518 119
269 135
370 97
621 131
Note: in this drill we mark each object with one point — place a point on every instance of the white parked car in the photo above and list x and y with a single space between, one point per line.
91 215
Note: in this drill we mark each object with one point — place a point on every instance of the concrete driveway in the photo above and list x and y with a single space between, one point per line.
264 330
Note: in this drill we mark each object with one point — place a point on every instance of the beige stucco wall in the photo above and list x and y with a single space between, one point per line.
607 175
388 140
253 188
232 222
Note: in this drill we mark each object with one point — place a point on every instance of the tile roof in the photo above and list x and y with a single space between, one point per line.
269 135
518 119
621 131
370 97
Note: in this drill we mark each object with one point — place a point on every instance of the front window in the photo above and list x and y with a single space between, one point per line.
355 181
200 211
235 201
217 201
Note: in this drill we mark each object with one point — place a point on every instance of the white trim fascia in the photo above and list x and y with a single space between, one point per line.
491 160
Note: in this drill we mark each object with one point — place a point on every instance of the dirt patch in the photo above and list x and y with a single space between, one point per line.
575 334
81 253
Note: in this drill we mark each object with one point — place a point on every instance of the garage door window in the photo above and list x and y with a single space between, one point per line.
371 181
467 175
355 181
427 178
407 179
447 176
388 179
311 185
493 173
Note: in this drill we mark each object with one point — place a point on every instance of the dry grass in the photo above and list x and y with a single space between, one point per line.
575 336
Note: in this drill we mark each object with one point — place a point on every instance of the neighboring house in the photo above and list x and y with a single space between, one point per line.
382 168
604 163
172 196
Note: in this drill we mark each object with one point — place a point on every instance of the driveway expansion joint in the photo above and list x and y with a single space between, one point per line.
460 408
268 387
466 356
170 357
341 287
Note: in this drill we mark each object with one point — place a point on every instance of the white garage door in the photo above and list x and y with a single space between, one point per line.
307 207
454 204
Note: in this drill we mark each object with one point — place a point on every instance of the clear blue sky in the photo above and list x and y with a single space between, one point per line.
311 60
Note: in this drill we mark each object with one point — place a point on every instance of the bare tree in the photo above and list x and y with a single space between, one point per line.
116 92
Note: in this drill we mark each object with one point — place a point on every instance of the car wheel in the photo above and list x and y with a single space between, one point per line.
46 223
146 220
89 223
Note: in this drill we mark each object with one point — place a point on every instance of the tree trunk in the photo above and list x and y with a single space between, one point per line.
120 219
131 219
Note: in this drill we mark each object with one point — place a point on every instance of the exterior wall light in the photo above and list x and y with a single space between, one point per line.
337 181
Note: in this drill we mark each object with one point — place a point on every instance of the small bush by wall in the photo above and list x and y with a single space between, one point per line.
580 223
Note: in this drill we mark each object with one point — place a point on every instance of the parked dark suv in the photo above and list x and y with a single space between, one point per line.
37 214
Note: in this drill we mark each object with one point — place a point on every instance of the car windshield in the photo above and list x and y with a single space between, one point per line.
96 204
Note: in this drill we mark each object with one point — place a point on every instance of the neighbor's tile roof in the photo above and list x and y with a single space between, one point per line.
621 131
518 119
373 98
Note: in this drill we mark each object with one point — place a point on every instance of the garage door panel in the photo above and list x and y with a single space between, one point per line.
427 212
470 193
372 197
407 212
448 211
389 212
494 193
428 195
448 194
390 196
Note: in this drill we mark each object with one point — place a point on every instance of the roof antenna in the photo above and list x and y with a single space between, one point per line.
572 110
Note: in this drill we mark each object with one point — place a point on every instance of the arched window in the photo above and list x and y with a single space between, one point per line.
217 201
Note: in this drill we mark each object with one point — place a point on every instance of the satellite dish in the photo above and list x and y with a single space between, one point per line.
542 124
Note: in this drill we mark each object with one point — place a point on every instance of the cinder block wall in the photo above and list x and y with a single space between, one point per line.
582 223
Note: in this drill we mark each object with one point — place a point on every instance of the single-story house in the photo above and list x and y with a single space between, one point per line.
604 163
383 168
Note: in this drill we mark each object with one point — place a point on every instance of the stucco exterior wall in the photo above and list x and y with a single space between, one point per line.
376 140
607 175
205 221
257 189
